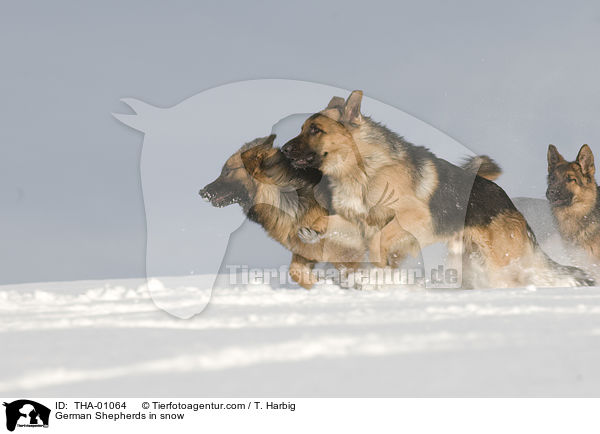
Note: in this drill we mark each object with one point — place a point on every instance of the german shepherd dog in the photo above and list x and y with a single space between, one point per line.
403 197
574 198
284 199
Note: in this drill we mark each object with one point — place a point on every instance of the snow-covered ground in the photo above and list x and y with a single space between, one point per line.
107 338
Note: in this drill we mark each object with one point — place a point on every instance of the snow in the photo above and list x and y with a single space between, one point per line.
108 338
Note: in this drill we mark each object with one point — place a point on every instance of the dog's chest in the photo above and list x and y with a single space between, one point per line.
347 200
580 230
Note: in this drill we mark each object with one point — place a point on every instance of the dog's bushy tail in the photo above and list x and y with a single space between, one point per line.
483 166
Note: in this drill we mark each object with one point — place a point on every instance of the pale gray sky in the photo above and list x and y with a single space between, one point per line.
506 78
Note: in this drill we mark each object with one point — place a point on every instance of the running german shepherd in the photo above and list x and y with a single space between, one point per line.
283 199
575 199
403 197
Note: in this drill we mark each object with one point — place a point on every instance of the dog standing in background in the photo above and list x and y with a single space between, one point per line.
574 198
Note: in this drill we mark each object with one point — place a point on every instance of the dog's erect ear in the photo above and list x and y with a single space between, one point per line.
335 108
251 159
352 108
585 159
268 143
336 102
553 157
261 142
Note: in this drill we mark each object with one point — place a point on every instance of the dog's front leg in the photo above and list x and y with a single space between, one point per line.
301 271
391 245
333 227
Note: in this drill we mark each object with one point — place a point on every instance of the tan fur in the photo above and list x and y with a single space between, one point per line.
483 166
371 186
504 240
503 248
579 221
429 182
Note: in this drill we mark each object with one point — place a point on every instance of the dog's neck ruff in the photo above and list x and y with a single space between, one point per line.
579 225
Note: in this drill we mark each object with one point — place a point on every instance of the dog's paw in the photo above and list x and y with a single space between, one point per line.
395 259
309 236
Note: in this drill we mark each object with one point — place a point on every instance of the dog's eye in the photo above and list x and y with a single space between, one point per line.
569 179
314 130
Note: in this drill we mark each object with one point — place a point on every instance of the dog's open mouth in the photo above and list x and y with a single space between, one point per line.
221 199
226 200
